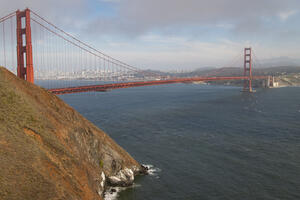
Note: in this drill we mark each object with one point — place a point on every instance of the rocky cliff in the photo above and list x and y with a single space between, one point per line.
49 151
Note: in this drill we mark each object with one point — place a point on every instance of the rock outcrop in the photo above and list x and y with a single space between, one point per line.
49 151
123 178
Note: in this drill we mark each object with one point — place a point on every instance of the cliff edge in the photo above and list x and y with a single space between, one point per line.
49 151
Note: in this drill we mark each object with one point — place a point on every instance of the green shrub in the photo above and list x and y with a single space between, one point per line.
101 163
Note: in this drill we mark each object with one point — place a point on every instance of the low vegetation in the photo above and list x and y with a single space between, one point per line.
48 150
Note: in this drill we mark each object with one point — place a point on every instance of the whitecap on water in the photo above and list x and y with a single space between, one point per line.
153 171
112 193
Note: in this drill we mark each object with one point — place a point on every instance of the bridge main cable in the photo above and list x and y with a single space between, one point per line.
7 17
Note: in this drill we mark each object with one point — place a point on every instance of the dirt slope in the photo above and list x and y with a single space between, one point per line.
48 150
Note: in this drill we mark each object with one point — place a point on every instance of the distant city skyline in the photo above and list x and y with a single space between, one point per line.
175 34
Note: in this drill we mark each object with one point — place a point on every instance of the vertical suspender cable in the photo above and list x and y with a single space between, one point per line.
11 45
4 44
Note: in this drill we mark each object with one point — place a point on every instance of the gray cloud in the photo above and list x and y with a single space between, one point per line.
61 12
137 17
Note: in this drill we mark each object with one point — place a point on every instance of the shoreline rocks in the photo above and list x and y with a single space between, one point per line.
125 177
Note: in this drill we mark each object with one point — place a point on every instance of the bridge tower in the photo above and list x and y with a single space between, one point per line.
248 70
24 46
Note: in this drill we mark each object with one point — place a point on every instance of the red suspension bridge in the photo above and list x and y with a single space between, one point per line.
46 52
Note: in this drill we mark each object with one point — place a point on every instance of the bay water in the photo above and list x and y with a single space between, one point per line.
203 141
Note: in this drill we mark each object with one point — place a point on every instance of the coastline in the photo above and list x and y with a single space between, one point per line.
113 192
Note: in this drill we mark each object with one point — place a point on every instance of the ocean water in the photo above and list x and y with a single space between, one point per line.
203 142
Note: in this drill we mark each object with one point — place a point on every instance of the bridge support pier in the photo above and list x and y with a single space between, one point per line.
248 70
270 82
24 46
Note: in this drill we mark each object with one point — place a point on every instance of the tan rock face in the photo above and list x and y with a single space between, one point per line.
49 151
124 177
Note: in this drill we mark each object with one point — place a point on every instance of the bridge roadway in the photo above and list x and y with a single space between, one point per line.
105 87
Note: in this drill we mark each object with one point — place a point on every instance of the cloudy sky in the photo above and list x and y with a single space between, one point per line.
177 34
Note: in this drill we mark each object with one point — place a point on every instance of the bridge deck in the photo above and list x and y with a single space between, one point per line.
112 86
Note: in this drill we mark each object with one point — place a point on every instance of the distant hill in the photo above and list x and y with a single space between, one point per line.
49 151
234 71
280 61
279 70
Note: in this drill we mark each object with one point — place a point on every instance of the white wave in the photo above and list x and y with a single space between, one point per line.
112 193
153 171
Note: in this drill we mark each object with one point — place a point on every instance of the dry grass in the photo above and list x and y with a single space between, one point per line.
47 149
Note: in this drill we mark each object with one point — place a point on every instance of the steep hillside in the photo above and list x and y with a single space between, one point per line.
49 151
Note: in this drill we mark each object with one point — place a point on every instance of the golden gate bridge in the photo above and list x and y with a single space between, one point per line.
35 49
